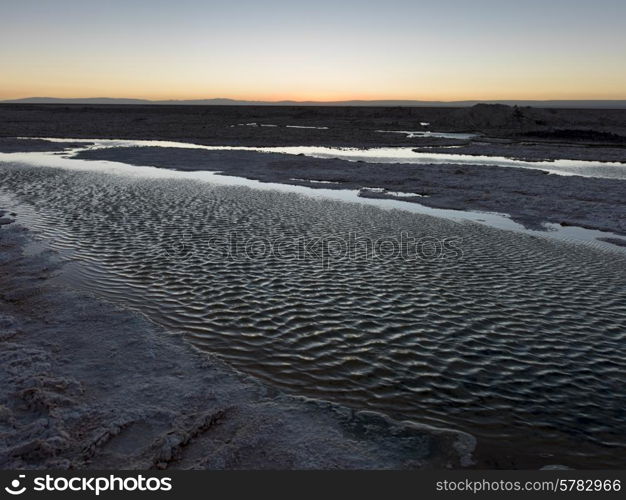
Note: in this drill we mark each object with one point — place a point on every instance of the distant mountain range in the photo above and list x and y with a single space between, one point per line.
604 104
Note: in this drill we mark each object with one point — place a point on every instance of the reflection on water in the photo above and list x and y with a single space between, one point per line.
255 124
411 134
611 170
520 342
306 127
500 221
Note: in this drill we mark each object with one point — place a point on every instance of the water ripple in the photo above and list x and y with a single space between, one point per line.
522 342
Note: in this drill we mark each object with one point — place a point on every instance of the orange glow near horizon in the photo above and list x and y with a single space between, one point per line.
237 80
112 91
331 51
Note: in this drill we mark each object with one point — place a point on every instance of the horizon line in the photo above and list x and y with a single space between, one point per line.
347 102
303 100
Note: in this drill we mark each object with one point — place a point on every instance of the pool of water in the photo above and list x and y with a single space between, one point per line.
411 134
611 170
500 221
515 338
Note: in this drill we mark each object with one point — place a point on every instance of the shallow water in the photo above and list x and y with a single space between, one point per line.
609 170
410 134
66 161
519 340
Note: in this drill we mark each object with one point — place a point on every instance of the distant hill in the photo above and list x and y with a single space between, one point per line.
90 100
604 104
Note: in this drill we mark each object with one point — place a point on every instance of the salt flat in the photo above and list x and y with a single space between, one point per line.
492 322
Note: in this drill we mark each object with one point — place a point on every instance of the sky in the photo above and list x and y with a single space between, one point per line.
314 50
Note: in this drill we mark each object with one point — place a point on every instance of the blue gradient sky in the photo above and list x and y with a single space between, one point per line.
323 50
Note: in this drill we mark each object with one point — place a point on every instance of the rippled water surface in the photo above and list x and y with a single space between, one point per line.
519 340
